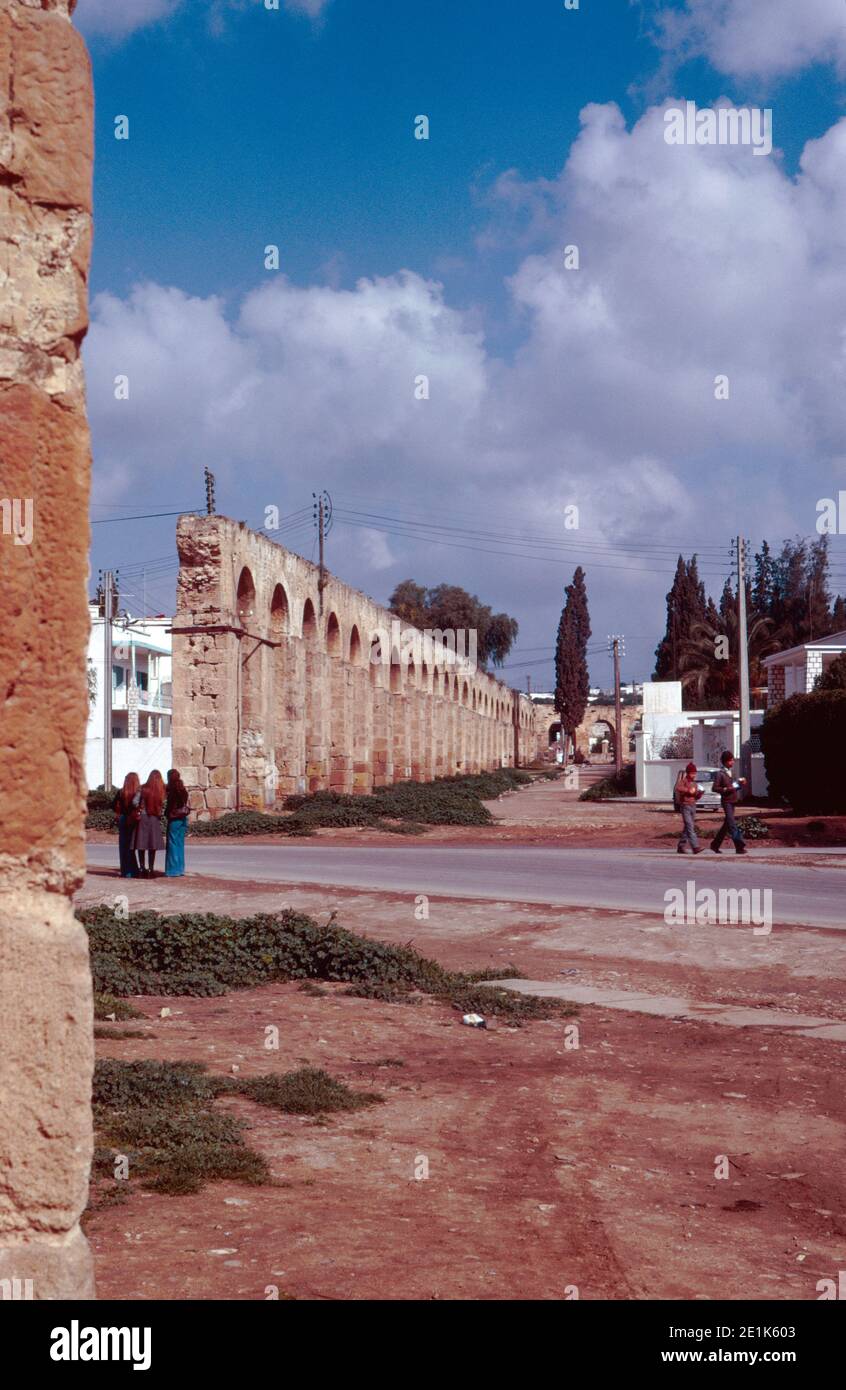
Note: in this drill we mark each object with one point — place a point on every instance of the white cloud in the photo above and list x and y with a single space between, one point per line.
695 261
757 38
117 19
312 8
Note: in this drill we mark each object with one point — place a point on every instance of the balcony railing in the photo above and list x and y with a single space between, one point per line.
158 699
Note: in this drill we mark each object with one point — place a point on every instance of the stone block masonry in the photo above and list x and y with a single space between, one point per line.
46 1056
276 689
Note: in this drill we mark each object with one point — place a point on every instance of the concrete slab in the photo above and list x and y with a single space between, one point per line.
674 1006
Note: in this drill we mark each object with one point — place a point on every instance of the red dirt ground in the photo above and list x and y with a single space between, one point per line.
549 1166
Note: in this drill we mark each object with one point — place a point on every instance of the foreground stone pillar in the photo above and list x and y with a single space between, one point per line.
46 1054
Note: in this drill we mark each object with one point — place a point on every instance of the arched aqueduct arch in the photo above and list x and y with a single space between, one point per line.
276 692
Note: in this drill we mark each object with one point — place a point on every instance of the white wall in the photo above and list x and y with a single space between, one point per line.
139 755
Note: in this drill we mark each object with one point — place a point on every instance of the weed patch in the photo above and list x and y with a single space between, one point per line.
160 1117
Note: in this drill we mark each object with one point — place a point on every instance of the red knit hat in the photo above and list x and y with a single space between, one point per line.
691 767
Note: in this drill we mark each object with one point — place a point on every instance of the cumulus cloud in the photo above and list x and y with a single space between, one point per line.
756 38
116 19
694 262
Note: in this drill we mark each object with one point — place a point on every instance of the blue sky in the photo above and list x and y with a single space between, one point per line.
443 257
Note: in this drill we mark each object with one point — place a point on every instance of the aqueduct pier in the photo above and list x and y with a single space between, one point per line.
287 680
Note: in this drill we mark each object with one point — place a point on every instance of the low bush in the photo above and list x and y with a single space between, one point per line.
204 954
249 823
159 1115
804 743
753 828
624 785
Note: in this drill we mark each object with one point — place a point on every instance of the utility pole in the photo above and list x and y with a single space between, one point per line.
322 510
529 686
743 662
616 643
108 613
210 503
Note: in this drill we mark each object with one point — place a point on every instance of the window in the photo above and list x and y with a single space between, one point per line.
118 677
143 680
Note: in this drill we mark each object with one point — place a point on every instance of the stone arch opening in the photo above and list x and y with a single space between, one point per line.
279 770
313 733
250 769
246 597
601 736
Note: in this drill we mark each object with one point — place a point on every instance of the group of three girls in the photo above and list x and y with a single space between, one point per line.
139 812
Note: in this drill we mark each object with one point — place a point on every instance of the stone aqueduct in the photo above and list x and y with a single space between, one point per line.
287 680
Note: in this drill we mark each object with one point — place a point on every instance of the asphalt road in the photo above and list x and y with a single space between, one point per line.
634 880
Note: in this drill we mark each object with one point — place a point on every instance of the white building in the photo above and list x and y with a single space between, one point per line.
141 674
671 737
796 671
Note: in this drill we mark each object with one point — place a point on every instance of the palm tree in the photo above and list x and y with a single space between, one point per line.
715 678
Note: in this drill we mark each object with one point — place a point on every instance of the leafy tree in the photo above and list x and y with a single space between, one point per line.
835 677
572 682
838 615
408 601
448 607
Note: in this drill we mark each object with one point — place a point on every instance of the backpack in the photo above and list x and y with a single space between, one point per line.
677 805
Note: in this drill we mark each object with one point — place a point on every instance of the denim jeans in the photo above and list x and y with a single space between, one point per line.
688 835
728 827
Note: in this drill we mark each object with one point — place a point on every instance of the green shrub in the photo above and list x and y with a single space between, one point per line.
624 785
101 800
160 1116
249 823
754 828
101 820
804 743
203 954
309 1091
106 1004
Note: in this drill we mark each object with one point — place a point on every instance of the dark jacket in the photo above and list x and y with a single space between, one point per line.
725 785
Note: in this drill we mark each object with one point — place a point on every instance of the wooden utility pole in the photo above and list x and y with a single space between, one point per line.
616 643
323 522
743 663
108 603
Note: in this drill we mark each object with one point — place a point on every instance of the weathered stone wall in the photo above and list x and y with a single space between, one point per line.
46 1055
546 717
275 691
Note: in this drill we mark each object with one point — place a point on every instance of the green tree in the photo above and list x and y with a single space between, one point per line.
572 682
710 656
686 606
835 677
448 607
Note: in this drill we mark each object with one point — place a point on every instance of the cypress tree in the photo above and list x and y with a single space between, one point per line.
686 607
572 682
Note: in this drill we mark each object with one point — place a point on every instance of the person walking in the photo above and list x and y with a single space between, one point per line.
729 789
686 794
176 814
127 808
148 835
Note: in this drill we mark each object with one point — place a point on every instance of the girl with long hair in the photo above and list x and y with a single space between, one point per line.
176 812
148 836
126 807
